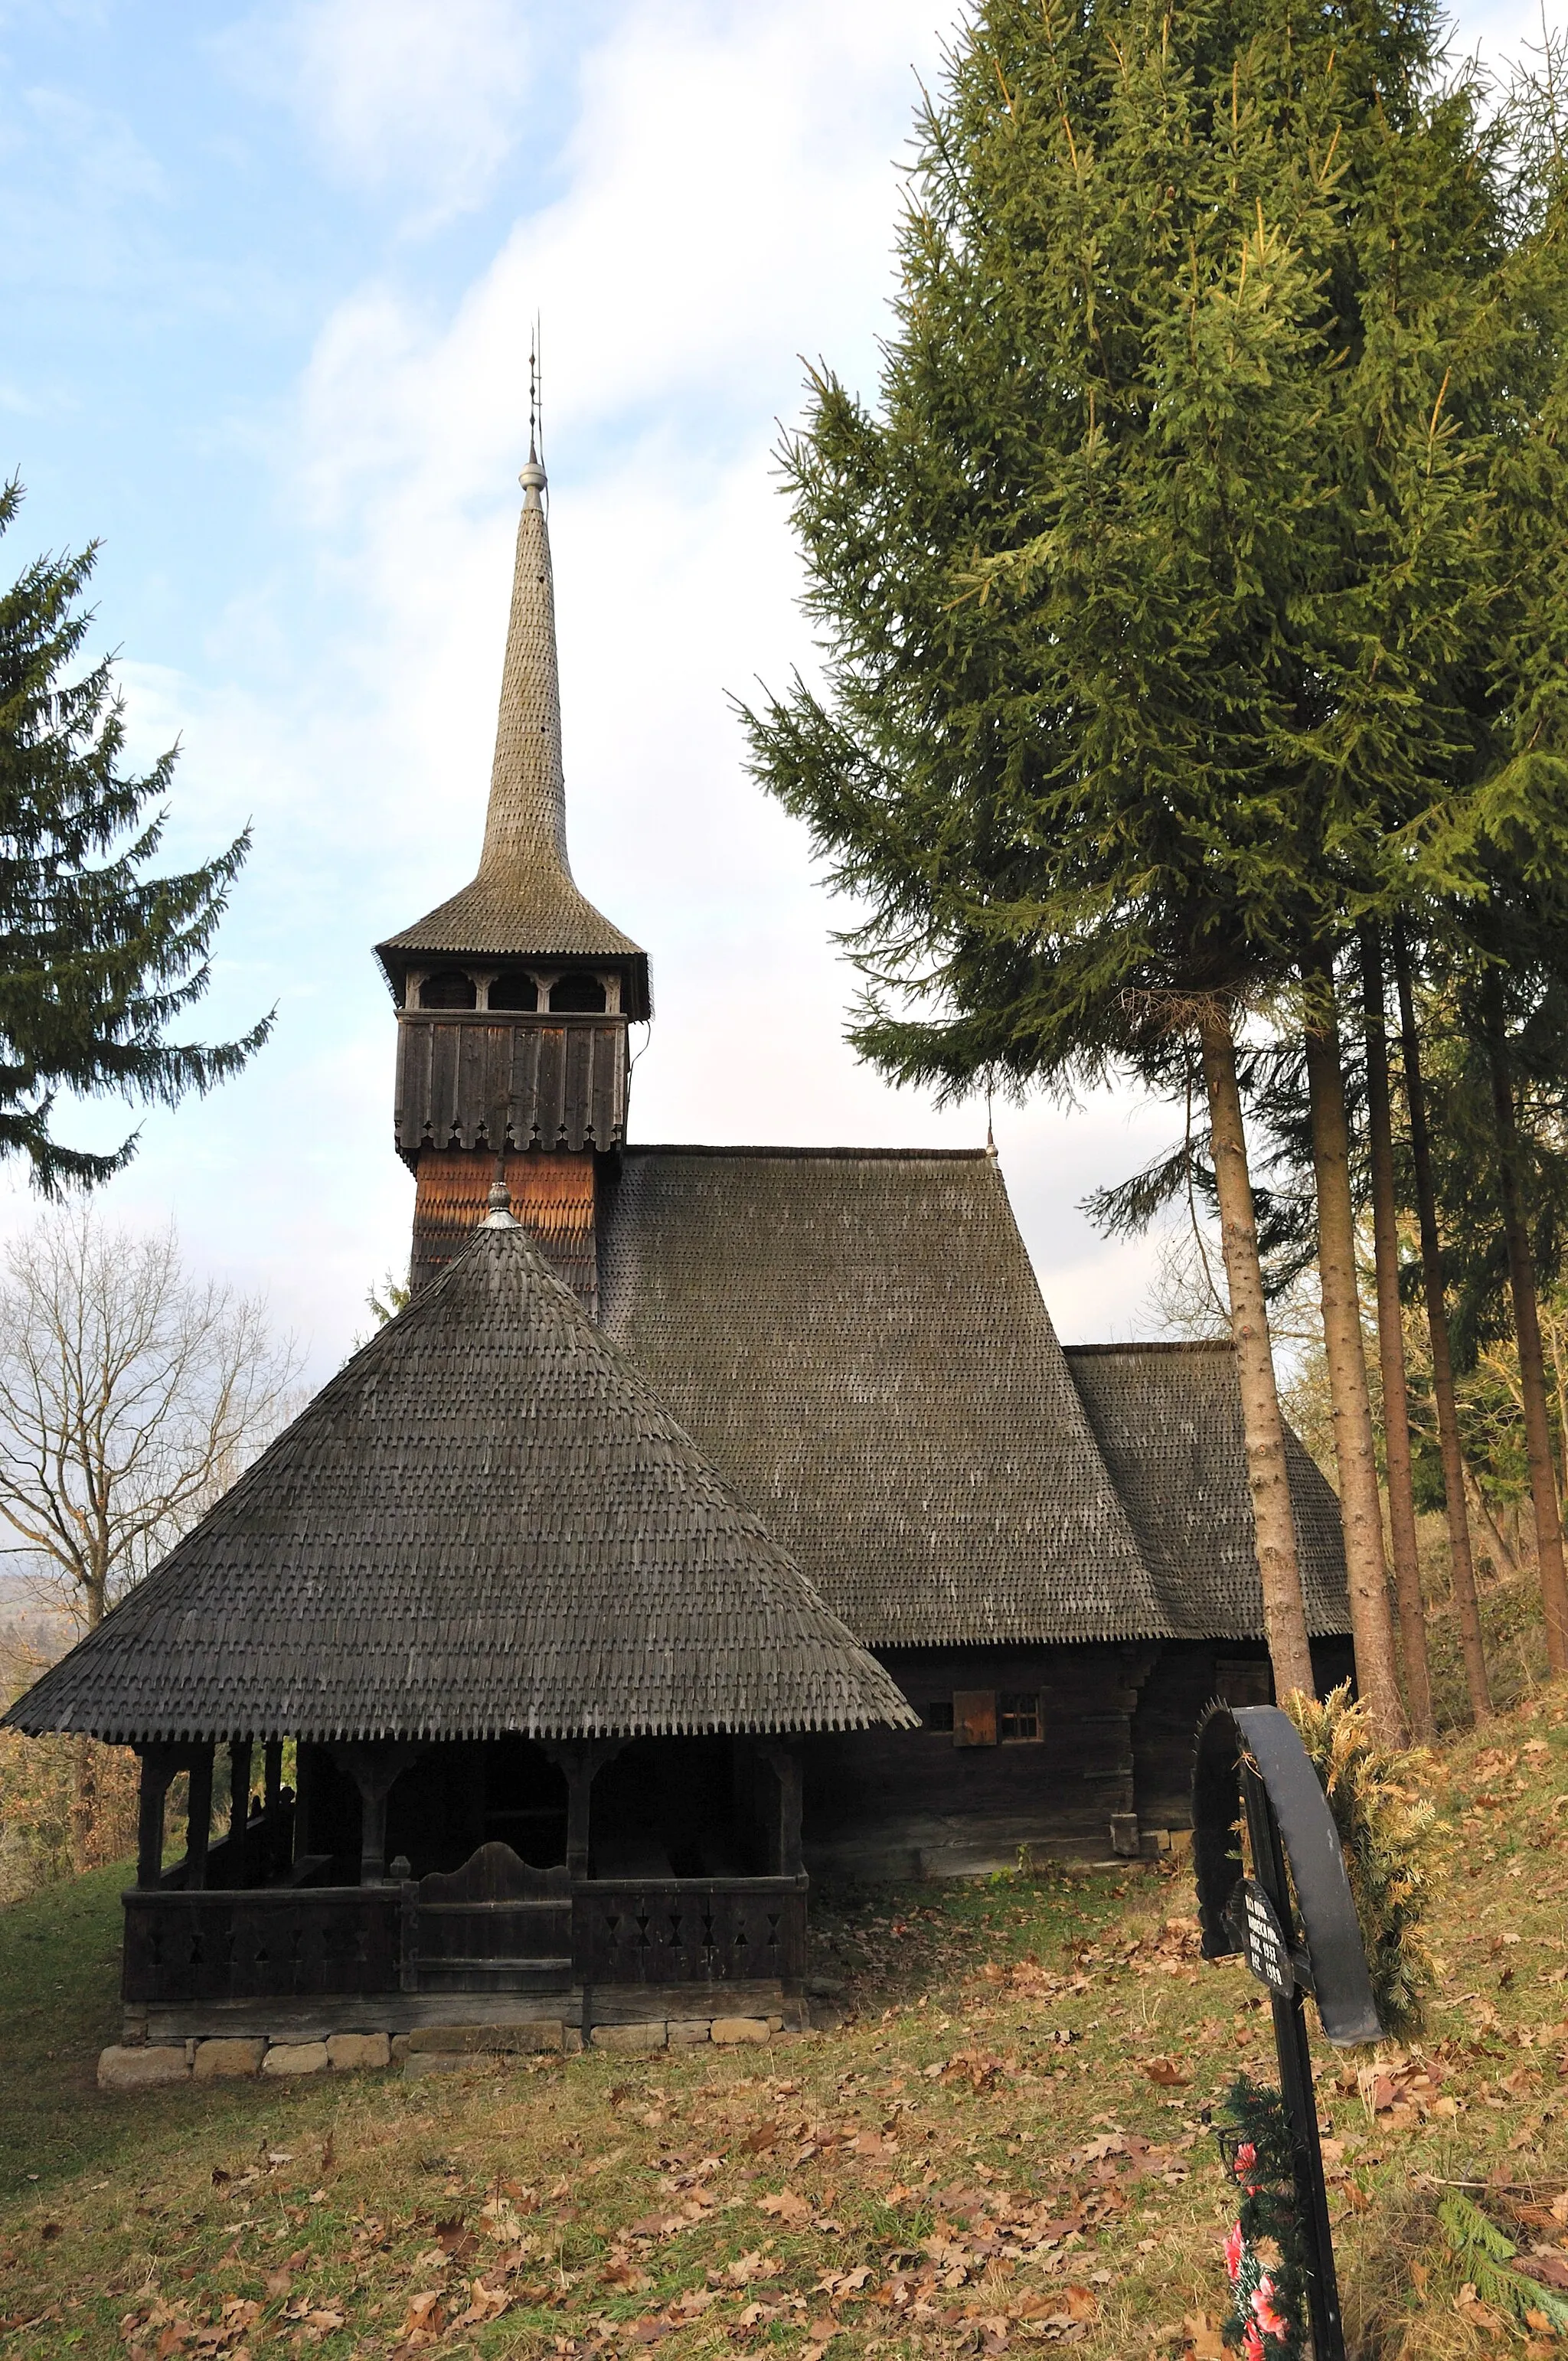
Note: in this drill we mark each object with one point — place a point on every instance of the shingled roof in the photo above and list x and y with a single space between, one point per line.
485 1522
856 1338
524 902
1167 1419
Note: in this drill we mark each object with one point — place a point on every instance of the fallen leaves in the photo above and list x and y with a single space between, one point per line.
1167 2073
785 2205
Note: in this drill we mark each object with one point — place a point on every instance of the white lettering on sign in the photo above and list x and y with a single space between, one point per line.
1264 1946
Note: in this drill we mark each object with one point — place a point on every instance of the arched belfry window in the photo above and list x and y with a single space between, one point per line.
578 994
517 992
449 988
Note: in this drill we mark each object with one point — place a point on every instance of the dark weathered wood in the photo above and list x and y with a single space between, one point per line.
199 1820
580 1761
159 1765
784 1765
559 1080
375 1766
895 1803
276 1939
495 1923
313 2017
688 1930
238 1864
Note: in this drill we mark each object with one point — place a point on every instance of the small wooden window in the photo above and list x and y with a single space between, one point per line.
974 1718
579 994
448 989
938 1714
514 992
1019 1715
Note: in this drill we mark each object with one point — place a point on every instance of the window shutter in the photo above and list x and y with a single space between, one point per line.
974 1718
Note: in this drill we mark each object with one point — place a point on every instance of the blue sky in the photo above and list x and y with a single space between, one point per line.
267 275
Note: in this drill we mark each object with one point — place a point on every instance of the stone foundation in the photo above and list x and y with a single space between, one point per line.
428 2049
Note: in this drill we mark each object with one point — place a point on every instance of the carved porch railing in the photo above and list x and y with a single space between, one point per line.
689 1931
268 1942
481 1928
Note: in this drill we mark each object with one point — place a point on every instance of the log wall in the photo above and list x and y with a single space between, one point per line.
914 1803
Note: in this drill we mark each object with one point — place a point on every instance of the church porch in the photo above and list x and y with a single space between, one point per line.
531 1893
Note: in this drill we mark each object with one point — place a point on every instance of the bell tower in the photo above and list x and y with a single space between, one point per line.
514 998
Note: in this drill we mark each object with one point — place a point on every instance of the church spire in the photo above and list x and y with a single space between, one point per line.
514 998
525 826
524 903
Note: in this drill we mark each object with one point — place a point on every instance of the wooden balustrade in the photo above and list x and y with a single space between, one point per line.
259 1943
688 1930
477 1930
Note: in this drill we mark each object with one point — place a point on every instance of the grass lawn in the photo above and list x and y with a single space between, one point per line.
1003 2147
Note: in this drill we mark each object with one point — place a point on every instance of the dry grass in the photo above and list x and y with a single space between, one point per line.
1003 2147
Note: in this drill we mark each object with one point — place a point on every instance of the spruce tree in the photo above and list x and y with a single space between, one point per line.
1149 592
100 955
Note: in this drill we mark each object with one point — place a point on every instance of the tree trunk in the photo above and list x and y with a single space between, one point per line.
1462 1562
1391 1347
1494 1540
1284 1612
1355 1451
1527 1332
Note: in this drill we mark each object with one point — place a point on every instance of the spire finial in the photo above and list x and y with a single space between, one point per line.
533 478
501 1216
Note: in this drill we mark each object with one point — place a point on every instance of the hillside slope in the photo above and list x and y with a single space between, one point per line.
1001 2147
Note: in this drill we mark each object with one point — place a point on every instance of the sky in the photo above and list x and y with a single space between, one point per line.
268 275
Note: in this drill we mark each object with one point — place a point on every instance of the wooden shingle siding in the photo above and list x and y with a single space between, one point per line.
1167 1419
551 1196
857 1339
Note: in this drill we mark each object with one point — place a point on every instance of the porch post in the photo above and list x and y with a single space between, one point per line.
785 1766
579 1770
579 1761
273 1857
239 1811
158 1768
199 1818
375 1767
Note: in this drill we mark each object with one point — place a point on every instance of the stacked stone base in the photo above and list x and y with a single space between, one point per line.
438 2048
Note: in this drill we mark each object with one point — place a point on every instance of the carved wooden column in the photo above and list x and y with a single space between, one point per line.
275 1858
159 1766
375 1767
580 1761
199 1818
784 1765
239 1811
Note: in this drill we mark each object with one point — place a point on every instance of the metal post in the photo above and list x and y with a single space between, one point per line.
1295 2086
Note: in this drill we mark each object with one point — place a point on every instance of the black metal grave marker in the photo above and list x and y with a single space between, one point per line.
1251 1758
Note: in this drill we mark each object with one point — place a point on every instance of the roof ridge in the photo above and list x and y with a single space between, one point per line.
802 1155
1161 1345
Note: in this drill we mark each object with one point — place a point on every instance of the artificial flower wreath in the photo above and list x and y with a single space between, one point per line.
1264 2251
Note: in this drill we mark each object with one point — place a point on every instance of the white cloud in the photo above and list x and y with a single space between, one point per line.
419 96
728 202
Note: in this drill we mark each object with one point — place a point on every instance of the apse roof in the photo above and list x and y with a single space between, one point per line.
487 1521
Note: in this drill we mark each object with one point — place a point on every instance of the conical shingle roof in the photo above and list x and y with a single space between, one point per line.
485 1522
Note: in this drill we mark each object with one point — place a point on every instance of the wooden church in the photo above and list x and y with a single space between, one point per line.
711 1516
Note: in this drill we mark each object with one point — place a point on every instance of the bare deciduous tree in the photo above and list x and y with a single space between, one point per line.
131 1396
